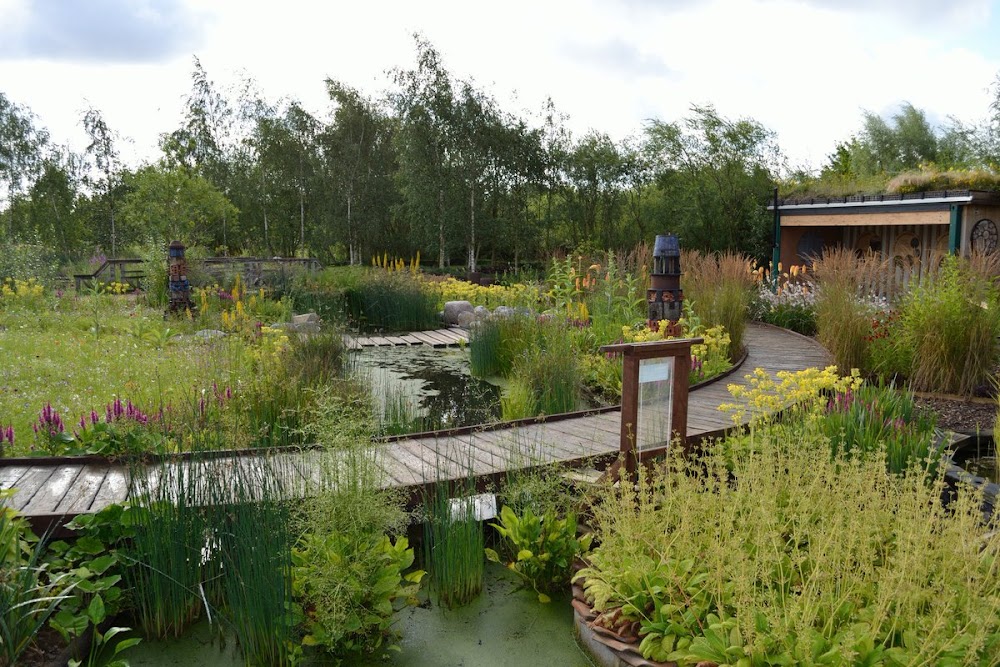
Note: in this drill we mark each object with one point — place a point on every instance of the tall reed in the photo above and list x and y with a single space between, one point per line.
497 342
392 302
212 537
551 370
453 543
846 286
720 287
950 324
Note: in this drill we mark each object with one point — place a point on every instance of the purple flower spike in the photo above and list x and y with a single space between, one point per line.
94 417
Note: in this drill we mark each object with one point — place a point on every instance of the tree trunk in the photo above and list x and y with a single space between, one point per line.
302 219
263 209
440 228
472 230
353 253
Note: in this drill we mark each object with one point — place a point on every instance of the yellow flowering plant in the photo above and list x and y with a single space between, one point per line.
763 397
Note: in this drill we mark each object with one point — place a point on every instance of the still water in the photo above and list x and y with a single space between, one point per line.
435 385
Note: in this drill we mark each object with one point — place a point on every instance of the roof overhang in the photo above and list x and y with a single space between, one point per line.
918 201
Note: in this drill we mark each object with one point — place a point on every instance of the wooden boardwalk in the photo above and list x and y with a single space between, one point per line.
54 490
439 338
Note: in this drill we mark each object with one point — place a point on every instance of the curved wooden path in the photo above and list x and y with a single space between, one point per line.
52 491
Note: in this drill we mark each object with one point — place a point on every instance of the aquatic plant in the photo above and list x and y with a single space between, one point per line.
453 543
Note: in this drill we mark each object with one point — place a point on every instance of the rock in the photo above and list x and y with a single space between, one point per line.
467 319
208 334
481 312
308 318
504 311
453 308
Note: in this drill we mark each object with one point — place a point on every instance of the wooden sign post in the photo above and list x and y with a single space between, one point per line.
654 397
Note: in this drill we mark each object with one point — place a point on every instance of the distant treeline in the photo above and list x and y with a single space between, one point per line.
433 164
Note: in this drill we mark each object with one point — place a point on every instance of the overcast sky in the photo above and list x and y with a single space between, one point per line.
804 68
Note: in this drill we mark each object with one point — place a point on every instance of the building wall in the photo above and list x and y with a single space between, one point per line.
970 216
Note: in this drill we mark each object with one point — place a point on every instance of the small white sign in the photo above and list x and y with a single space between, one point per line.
656 371
484 507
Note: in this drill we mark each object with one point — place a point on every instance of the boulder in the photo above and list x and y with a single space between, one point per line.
481 312
504 311
453 308
466 319
208 334
308 318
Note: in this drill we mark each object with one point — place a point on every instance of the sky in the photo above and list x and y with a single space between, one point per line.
805 69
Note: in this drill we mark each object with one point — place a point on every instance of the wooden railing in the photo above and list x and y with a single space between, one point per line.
122 270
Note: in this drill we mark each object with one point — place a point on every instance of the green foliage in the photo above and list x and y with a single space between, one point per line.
880 418
28 595
543 546
28 261
786 555
453 544
716 177
173 203
801 319
352 586
950 326
391 302
348 570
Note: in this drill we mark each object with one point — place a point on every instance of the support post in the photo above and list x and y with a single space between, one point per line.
633 354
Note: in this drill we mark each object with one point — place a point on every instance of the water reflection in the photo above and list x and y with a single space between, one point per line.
433 384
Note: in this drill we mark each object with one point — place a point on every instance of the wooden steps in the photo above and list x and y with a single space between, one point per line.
449 337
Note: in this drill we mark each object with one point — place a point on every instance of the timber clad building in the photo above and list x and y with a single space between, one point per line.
912 230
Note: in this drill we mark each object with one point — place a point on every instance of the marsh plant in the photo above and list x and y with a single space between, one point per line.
197 552
837 568
453 543
391 302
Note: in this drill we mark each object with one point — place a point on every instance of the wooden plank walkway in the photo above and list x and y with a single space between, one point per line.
439 338
58 490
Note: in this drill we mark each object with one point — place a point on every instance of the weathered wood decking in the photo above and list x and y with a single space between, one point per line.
53 490
437 338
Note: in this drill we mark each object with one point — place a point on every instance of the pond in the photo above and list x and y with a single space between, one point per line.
421 388
504 627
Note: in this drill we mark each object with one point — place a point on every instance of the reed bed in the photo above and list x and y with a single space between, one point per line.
718 288
198 551
454 542
846 287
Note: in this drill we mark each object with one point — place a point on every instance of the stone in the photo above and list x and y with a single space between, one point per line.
208 334
481 312
467 319
308 318
453 308
504 311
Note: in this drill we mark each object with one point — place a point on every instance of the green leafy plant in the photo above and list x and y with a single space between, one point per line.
29 593
349 588
543 547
